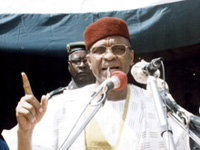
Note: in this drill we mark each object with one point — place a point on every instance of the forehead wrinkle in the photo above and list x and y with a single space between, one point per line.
108 41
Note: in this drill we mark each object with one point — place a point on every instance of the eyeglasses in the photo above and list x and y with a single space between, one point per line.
78 61
117 49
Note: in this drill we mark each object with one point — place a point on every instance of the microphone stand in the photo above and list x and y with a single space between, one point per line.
169 108
71 138
180 116
166 132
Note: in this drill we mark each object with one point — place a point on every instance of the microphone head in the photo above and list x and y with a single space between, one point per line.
122 77
137 71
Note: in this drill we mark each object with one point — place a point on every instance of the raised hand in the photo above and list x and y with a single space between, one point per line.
29 110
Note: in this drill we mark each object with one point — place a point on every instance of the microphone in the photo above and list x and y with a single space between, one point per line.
151 67
117 82
141 69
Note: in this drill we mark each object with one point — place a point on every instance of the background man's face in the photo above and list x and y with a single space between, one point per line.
79 69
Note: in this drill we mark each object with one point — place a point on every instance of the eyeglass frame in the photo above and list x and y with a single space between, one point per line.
110 48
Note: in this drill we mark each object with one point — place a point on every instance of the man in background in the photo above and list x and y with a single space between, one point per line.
78 66
81 74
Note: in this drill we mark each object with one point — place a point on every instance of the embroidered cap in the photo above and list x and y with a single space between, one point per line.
104 27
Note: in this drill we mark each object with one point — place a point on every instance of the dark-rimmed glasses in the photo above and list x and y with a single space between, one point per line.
117 49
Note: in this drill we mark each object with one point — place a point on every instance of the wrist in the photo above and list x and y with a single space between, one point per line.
24 135
24 138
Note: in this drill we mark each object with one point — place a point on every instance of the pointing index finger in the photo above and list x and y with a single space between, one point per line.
26 84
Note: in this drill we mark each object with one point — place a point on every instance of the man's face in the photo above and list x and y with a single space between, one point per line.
99 62
79 69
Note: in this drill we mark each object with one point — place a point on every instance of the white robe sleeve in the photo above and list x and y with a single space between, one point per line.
62 112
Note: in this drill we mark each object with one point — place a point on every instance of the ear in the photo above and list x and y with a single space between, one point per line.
89 60
69 68
131 57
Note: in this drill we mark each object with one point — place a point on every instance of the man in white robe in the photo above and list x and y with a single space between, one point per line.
127 121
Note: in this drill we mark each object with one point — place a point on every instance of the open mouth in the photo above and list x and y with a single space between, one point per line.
111 68
106 71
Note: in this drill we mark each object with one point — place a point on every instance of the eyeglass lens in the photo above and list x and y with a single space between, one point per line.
116 49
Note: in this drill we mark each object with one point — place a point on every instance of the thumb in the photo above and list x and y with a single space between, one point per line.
43 103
